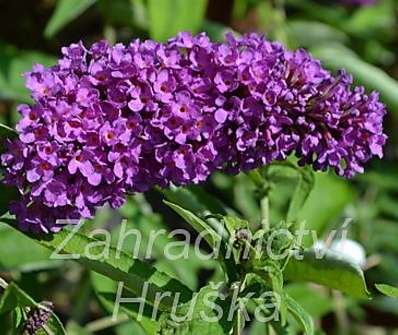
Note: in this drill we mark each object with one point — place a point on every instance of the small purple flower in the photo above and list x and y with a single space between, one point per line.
39 170
111 120
164 86
81 161
38 317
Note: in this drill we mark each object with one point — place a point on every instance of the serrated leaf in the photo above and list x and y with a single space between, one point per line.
330 271
168 17
300 315
389 291
65 12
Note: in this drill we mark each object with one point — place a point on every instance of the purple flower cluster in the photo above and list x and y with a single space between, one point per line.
38 317
113 120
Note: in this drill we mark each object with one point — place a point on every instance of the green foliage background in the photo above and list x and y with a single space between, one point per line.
364 40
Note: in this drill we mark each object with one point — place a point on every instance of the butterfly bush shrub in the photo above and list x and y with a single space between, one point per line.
112 120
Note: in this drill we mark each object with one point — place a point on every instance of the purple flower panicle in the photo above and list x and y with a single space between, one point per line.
38 317
112 120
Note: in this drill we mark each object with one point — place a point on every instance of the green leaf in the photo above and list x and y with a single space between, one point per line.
168 17
128 328
117 265
201 226
389 291
23 253
365 74
234 224
384 233
303 189
217 31
330 271
13 64
387 179
300 314
195 199
14 298
74 328
304 186
140 217
216 240
247 205
321 209
315 302
124 13
148 324
372 21
203 306
385 304
313 33
54 325
258 328
65 12
333 15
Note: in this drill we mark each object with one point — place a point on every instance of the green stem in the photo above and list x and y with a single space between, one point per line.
238 323
256 178
105 323
7 128
263 188
82 297
341 314
264 205
278 329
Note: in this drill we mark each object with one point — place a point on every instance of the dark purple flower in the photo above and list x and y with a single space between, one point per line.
108 121
38 317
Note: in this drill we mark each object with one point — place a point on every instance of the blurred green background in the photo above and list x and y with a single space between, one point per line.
362 39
